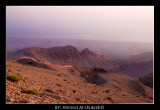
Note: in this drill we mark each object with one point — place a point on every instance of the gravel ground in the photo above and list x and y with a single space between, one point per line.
61 85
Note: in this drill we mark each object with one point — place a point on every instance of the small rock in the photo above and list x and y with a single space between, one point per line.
49 94
8 100
49 90
18 93
25 101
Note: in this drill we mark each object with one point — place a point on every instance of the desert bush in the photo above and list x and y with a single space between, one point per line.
14 78
59 85
78 99
65 80
58 75
30 91
74 91
107 91
109 98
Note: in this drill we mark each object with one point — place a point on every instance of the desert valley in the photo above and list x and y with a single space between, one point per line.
79 54
68 74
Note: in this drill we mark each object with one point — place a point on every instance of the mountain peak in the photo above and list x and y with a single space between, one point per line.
86 52
62 48
69 46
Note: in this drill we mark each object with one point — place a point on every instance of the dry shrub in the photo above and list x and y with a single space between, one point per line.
14 78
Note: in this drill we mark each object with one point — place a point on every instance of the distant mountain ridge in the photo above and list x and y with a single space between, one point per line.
62 56
100 47
137 65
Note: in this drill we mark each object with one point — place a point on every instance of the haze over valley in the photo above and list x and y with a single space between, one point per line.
122 57
79 54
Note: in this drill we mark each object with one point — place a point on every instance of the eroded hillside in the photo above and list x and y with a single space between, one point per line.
71 84
134 66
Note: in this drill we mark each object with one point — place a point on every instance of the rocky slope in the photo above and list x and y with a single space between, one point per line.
147 80
71 84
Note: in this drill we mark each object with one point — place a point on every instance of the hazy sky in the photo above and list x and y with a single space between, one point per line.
114 23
